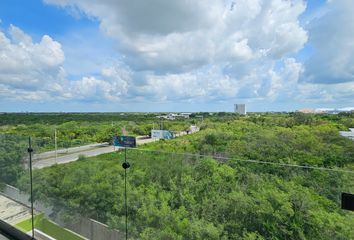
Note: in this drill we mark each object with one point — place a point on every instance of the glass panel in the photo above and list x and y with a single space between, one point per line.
181 196
74 194
14 180
157 201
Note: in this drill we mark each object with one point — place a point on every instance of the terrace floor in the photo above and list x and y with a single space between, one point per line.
11 211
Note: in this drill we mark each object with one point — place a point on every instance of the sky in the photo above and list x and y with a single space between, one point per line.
164 55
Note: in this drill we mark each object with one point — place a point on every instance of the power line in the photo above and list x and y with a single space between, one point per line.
250 161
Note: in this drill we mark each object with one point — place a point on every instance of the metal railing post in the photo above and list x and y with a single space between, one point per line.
30 151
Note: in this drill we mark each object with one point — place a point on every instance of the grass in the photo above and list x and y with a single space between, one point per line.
26 225
48 227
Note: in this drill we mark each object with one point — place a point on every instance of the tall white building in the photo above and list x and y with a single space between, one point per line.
240 109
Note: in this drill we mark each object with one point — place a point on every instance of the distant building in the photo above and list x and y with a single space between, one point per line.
174 116
193 129
240 109
306 110
185 115
325 110
348 134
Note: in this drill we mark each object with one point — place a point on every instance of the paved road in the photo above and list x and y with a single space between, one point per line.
66 151
47 159
42 160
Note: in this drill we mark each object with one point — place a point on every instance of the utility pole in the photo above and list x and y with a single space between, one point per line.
56 145
125 165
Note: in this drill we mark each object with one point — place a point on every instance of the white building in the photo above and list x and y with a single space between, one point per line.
240 109
193 129
185 115
174 116
348 134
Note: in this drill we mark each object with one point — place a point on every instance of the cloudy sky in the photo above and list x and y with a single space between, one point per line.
176 55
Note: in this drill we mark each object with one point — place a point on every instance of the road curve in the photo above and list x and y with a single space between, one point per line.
47 159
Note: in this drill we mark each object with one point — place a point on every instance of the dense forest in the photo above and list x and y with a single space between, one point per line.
261 176
59 118
172 196
75 129
13 150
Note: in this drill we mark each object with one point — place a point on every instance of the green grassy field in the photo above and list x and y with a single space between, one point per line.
48 227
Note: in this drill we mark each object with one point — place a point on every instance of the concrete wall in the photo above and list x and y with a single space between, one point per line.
94 230
88 228
17 195
41 235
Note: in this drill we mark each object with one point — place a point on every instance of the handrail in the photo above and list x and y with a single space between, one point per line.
13 232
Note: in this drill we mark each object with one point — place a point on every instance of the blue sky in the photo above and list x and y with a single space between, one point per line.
158 55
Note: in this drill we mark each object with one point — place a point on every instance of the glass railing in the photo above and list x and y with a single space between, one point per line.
58 177
166 195
186 196
15 205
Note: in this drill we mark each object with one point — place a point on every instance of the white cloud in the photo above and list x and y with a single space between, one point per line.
112 85
341 94
28 65
332 40
211 84
203 50
180 36
33 71
183 51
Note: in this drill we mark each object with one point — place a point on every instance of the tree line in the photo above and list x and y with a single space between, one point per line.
229 187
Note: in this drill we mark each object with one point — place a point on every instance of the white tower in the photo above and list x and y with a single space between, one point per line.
240 109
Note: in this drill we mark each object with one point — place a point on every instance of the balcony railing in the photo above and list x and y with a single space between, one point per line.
165 195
